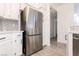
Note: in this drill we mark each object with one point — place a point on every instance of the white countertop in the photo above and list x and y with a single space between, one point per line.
9 31
74 29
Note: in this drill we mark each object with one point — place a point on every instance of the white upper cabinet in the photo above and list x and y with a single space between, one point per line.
14 11
76 8
10 10
2 9
76 14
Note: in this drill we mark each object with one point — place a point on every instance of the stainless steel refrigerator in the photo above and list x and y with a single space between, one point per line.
31 24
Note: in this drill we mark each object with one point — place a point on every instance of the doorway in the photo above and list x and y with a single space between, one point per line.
53 27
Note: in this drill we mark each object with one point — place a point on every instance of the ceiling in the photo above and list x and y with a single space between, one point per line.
42 6
57 4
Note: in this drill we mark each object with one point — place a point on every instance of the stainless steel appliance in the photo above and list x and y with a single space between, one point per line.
75 44
31 24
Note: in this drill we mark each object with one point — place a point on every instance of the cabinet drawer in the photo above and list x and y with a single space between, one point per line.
18 35
5 37
6 48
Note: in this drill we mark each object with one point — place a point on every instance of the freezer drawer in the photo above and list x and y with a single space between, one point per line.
34 44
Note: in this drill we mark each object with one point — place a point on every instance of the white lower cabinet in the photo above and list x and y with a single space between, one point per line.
17 44
5 45
6 48
11 44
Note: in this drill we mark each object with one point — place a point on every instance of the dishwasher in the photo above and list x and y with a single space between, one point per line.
75 44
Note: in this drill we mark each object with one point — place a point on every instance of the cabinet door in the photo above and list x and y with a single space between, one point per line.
17 44
2 9
14 11
7 12
6 48
76 15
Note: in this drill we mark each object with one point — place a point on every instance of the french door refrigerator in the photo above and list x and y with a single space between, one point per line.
31 24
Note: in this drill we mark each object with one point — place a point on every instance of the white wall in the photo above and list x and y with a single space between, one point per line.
64 20
46 26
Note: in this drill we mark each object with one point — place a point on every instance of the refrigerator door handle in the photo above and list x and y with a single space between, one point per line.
34 35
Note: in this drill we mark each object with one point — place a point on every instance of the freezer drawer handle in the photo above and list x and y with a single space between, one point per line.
21 41
2 38
34 35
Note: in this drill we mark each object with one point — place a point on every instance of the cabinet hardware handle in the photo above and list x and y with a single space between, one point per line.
2 38
15 40
21 41
15 53
18 35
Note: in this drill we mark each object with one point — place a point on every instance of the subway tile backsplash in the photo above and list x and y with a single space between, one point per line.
9 25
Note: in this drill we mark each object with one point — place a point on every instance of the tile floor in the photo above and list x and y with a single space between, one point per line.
56 49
